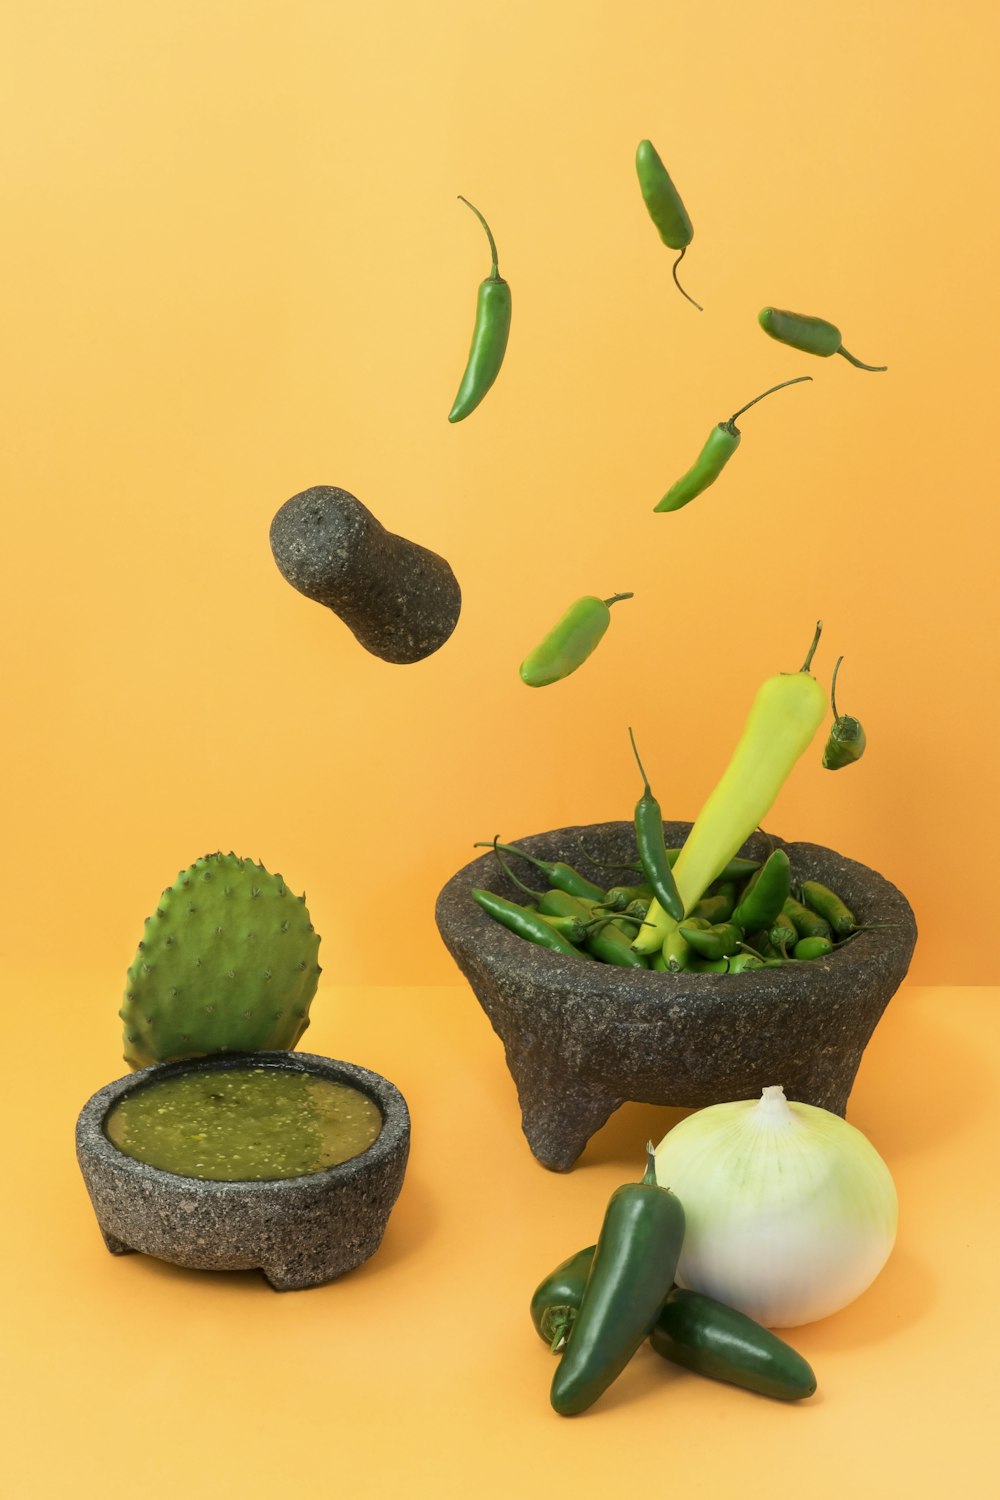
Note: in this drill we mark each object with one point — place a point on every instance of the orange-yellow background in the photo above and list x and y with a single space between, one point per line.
233 265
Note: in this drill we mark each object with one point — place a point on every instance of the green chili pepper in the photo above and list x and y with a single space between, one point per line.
722 443
489 335
613 945
782 934
659 962
569 642
806 923
737 868
786 713
811 335
638 908
712 942
717 907
665 207
631 1273
620 897
762 903
717 1341
557 1297
527 924
830 906
652 849
573 929
847 738
740 963
692 1330
556 872
708 966
812 947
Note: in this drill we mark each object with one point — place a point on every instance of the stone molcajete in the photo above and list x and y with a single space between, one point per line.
300 1231
581 1038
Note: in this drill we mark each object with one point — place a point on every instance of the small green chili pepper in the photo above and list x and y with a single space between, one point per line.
737 868
573 929
782 933
613 945
765 899
526 924
722 443
650 844
847 738
556 1299
806 923
709 966
665 207
569 642
556 872
717 907
659 962
740 963
620 897
812 947
630 1275
489 335
712 942
638 908
830 906
811 335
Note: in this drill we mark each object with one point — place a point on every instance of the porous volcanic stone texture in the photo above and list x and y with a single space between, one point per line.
401 600
581 1038
300 1231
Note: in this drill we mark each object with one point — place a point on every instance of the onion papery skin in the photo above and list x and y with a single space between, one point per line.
791 1213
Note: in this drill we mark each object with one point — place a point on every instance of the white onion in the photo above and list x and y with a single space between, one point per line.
790 1212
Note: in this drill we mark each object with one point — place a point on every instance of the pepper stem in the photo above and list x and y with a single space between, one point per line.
812 649
616 597
505 867
649 1175
732 420
673 272
858 362
494 271
493 844
645 791
833 688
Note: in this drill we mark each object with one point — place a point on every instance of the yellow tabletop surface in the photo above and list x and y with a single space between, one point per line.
419 1374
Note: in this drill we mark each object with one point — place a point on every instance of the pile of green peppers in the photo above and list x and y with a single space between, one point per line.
600 1305
752 916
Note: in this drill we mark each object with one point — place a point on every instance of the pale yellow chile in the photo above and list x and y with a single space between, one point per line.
785 715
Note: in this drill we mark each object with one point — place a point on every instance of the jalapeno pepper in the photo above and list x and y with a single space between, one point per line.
812 947
489 334
712 942
570 642
785 715
811 335
768 894
721 444
830 906
665 207
650 844
847 740
631 1273
556 1299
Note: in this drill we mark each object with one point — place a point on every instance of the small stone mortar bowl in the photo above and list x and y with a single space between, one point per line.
300 1231
582 1037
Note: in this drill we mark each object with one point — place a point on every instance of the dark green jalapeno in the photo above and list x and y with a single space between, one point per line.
570 641
847 740
806 923
811 335
761 904
830 906
665 207
557 1297
651 847
526 924
489 334
722 443
717 1341
630 1275
556 872
812 947
712 943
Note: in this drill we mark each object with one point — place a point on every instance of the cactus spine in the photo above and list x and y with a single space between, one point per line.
227 963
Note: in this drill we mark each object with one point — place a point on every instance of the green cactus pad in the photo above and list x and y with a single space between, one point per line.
227 963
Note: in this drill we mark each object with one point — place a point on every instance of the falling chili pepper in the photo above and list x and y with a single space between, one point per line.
811 335
570 641
489 335
722 443
665 207
847 738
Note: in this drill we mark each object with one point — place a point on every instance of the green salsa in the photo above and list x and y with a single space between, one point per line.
244 1124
